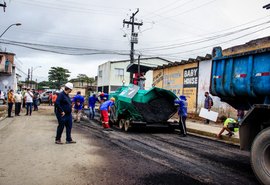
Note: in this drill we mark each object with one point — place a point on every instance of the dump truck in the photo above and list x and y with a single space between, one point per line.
137 107
243 81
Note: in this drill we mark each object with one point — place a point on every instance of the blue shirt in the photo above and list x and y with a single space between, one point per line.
92 101
63 104
78 100
182 110
106 105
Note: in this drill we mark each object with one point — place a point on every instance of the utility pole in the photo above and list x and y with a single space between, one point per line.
31 76
28 77
4 5
134 37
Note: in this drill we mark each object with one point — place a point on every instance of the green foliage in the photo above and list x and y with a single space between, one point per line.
58 76
45 84
83 78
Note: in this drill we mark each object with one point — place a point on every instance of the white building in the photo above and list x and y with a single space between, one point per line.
8 76
113 74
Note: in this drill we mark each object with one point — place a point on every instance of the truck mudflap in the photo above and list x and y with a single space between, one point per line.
256 119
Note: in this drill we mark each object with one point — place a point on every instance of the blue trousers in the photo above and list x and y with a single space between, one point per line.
91 112
29 108
35 105
65 121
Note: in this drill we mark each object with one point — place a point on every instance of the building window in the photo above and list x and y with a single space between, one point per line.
100 73
119 72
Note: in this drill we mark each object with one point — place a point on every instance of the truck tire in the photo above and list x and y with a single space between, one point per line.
127 125
260 156
121 124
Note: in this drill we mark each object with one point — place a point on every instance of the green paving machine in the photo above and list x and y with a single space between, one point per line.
137 107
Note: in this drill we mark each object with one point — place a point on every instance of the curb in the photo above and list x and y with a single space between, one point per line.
212 136
207 135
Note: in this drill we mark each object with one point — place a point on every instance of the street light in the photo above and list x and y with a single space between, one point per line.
32 69
17 24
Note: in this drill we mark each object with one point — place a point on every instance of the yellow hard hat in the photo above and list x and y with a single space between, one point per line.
113 99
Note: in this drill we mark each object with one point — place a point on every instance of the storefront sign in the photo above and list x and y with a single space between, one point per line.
191 77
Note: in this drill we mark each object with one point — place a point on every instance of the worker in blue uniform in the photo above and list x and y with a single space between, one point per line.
91 105
63 113
182 113
78 103
105 110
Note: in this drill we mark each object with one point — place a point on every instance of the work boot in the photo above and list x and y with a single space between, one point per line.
58 142
70 142
231 134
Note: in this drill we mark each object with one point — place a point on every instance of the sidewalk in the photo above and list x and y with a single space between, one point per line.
210 131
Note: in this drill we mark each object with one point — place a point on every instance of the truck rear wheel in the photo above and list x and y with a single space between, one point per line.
127 125
260 156
121 124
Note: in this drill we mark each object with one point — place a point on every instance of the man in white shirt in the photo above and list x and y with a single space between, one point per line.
29 101
18 103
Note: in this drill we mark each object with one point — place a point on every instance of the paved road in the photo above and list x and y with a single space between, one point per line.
28 155
190 160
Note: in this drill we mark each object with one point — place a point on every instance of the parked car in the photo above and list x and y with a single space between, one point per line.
44 97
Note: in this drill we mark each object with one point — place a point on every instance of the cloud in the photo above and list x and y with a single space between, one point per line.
97 24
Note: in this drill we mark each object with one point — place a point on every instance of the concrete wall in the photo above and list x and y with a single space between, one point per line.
191 80
176 79
104 80
8 79
8 82
204 85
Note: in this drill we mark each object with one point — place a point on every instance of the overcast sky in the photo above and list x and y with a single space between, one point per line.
171 29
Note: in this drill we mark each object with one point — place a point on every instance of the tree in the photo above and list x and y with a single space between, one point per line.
83 78
58 76
46 84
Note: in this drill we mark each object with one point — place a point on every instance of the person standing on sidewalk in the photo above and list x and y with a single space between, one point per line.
240 114
18 103
54 97
64 114
104 111
91 105
23 94
10 102
29 101
50 99
35 99
78 102
182 113
208 103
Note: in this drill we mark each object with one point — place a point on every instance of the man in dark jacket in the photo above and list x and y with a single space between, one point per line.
63 113
208 103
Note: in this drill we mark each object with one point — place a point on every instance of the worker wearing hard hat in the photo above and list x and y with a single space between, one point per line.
63 106
104 111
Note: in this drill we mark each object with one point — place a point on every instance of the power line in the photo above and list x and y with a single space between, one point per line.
206 39
170 10
219 31
63 49
68 8
212 45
